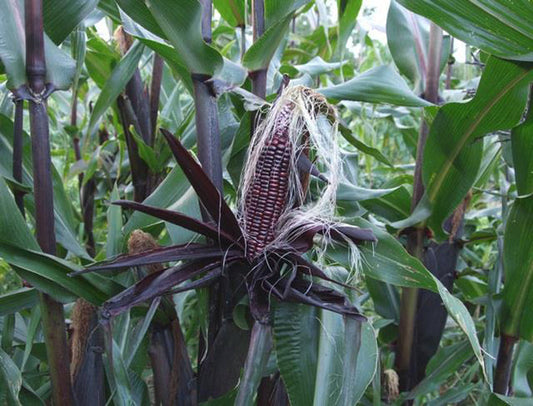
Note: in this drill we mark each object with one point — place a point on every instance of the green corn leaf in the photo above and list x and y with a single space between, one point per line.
453 151
389 262
59 66
377 85
181 22
232 11
60 17
17 300
522 145
115 84
408 39
518 269
296 332
499 28
10 377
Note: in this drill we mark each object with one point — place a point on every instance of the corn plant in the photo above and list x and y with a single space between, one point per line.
230 202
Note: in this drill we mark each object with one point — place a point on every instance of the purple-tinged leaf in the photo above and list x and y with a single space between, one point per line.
164 254
355 234
155 284
207 192
319 296
338 232
182 220
198 283
308 268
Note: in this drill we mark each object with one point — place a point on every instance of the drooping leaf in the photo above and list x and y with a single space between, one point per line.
161 255
378 85
389 262
115 84
501 29
317 66
50 274
331 350
361 146
453 151
156 284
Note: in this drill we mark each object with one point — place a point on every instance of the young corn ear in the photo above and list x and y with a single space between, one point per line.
273 188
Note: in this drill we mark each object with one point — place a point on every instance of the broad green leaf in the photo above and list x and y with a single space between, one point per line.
13 225
100 59
50 274
389 262
65 223
523 370
232 11
258 56
114 226
33 325
139 12
317 66
378 85
278 10
17 300
59 66
453 152
522 145
355 193
499 28
296 332
331 350
501 400
361 146
10 376
278 15
518 269
181 22
116 83
60 17
347 11
78 47
169 54
408 41
444 364
144 27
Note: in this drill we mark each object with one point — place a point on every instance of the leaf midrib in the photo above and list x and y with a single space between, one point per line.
459 146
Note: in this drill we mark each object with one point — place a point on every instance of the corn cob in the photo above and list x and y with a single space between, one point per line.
266 198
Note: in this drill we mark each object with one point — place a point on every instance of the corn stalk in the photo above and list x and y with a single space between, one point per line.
52 311
416 238
17 152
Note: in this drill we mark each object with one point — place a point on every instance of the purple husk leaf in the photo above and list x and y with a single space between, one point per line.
182 220
163 254
208 194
